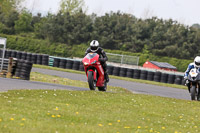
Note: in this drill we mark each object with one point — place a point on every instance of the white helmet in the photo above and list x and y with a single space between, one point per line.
94 45
197 62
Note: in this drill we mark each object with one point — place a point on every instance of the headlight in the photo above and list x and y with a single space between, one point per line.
94 62
85 63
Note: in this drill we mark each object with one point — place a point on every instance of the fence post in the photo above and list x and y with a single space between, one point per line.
122 59
10 62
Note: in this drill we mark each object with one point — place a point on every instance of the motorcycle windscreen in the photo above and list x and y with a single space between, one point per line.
90 55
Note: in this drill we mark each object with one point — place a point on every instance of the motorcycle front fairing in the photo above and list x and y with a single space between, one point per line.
91 63
194 75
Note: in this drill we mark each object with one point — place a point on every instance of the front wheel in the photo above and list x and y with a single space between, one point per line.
91 82
193 92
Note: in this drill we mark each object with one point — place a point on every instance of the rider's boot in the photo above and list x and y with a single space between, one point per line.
106 77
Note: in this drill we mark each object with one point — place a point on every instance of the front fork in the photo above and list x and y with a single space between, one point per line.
197 88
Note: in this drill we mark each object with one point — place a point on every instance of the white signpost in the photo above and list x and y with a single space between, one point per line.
3 42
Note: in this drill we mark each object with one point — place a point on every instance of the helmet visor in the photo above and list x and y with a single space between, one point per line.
93 47
197 63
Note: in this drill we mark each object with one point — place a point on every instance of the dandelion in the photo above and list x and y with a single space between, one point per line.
56 108
127 127
11 119
100 125
77 113
53 116
195 126
139 127
118 120
109 124
163 128
180 117
23 119
0 120
58 115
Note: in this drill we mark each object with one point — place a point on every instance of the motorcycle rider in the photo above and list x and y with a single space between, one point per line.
195 64
94 48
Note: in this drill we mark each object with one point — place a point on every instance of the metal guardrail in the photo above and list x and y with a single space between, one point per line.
123 59
5 63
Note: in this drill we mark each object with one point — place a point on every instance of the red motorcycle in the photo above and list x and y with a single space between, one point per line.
94 72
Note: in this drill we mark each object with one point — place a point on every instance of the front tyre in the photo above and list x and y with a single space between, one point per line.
193 92
91 82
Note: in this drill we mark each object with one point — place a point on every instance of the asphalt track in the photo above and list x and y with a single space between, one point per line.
134 87
141 88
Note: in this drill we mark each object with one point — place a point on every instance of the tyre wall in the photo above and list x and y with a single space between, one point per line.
66 63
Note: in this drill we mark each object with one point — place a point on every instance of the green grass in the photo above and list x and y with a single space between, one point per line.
116 111
35 76
51 111
115 77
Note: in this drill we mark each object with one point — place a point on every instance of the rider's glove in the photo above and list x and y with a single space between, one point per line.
101 60
185 77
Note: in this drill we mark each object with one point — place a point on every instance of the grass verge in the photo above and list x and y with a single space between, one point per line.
35 76
61 111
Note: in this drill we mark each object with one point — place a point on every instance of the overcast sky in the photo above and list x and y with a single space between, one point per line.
184 11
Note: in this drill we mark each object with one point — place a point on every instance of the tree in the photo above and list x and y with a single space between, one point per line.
23 24
72 6
9 5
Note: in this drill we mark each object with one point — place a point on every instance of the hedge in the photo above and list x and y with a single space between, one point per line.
29 44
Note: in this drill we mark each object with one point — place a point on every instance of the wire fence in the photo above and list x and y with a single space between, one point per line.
123 59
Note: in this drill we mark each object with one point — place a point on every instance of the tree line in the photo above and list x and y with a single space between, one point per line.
114 30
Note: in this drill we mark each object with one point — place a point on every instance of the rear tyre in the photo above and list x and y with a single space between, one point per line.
104 88
198 95
193 92
91 82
